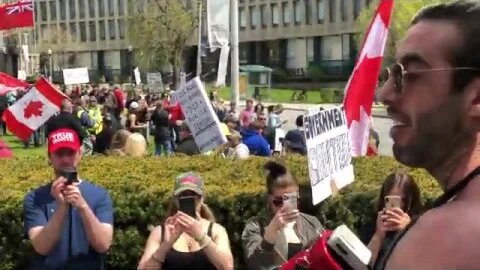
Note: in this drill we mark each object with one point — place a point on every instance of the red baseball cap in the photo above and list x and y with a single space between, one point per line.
63 138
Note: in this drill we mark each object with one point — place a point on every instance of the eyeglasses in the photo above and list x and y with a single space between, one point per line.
398 73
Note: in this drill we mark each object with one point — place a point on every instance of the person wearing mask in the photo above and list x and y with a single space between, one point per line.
188 240
432 95
187 145
48 210
253 139
270 240
392 220
248 114
162 134
294 141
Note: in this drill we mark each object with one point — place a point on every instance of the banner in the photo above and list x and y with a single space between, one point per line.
222 66
75 76
200 116
218 23
136 73
155 82
328 146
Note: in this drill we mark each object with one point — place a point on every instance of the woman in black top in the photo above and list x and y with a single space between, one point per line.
184 242
162 134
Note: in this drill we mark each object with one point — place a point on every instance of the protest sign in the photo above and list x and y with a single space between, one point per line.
75 76
200 116
155 82
279 136
328 147
136 73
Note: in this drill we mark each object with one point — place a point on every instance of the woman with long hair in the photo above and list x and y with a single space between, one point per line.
189 238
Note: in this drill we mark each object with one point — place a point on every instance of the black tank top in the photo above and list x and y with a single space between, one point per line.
188 260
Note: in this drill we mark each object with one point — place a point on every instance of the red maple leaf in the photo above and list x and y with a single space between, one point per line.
33 108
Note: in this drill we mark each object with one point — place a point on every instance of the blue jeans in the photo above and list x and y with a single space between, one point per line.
167 148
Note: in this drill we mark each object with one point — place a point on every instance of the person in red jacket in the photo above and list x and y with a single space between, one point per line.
119 95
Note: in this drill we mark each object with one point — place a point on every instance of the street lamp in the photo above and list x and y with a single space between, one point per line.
50 62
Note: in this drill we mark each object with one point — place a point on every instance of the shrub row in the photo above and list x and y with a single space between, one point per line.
141 188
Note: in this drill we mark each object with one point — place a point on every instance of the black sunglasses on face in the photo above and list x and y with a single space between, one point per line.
397 73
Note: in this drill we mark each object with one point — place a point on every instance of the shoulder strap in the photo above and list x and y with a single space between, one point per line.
387 248
209 232
163 233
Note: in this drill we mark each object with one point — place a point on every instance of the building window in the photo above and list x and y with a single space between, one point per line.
111 8
111 29
53 33
121 28
83 32
332 10
121 7
263 15
72 9
101 26
253 17
287 14
343 10
63 9
93 31
81 8
73 31
101 8
44 32
53 10
299 11
308 12
346 46
275 15
321 11
43 11
91 8
243 18
356 8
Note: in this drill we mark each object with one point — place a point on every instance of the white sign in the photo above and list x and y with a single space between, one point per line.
200 116
279 135
155 82
136 72
22 75
75 76
328 146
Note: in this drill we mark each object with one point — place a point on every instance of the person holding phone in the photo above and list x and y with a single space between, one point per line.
270 240
189 238
398 203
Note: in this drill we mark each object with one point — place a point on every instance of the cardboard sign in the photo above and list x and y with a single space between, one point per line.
155 82
75 76
136 73
328 147
200 116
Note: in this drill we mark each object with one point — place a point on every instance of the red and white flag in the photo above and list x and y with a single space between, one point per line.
34 109
17 15
9 83
360 89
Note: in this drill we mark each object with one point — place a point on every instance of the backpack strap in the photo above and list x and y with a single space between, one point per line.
209 232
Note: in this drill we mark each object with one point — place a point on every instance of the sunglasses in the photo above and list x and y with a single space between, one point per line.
397 74
278 200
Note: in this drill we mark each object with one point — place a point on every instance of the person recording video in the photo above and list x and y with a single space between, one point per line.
70 220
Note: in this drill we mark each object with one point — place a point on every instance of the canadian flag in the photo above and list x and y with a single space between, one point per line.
360 89
33 109
9 83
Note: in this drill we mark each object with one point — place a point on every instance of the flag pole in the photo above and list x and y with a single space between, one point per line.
199 49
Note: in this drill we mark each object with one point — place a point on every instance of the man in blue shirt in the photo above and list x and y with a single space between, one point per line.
253 139
47 215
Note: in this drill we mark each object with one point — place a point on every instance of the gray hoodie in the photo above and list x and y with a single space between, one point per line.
262 255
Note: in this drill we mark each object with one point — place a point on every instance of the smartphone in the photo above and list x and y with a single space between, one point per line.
187 205
290 201
71 175
393 201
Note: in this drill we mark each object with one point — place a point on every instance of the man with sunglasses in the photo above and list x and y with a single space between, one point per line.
433 96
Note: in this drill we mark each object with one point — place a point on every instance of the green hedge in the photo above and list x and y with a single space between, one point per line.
140 189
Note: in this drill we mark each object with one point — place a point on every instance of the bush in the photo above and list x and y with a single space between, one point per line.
140 189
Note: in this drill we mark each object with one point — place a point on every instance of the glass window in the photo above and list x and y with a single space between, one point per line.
286 13
253 17
53 10
308 11
81 8
44 32
93 31
275 14
243 17
43 11
83 32
356 8
101 8
91 8
72 8
53 33
346 46
343 10
264 15
63 9
73 31
111 29
121 28
332 10
298 8
101 25
320 10
121 7
111 8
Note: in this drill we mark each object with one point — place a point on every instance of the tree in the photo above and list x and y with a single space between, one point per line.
403 13
159 32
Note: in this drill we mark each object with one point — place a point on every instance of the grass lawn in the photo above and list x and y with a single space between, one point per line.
327 95
19 150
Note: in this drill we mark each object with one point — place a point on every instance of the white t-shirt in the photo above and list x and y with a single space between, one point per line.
241 151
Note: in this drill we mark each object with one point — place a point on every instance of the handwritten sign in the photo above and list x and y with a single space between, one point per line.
75 76
200 116
155 82
329 157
